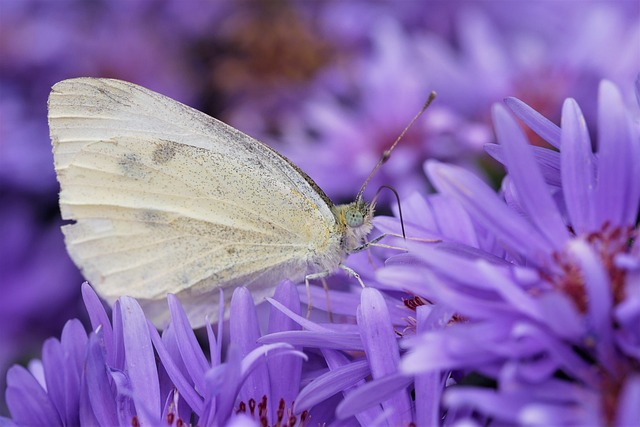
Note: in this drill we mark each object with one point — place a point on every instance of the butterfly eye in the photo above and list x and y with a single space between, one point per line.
354 217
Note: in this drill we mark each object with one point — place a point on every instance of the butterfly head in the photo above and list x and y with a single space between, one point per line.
355 221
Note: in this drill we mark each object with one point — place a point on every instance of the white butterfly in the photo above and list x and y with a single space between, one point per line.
166 199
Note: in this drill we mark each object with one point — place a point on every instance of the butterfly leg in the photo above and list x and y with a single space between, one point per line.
325 285
352 272
309 277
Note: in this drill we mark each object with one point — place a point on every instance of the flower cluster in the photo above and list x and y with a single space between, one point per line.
525 310
541 282
526 293
113 377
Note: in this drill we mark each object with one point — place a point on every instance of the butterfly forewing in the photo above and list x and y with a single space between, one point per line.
167 199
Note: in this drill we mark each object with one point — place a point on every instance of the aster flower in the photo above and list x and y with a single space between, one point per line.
108 377
337 138
43 43
111 376
546 315
351 354
488 51
215 392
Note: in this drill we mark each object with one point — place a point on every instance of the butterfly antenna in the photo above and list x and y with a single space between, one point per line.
373 202
387 153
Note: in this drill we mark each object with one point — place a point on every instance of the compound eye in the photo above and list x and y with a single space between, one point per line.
354 218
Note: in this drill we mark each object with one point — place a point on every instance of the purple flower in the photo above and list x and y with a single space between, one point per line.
543 281
111 376
42 44
351 353
215 391
486 52
108 377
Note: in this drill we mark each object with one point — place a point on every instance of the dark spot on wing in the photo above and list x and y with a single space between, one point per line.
231 250
152 217
131 166
164 152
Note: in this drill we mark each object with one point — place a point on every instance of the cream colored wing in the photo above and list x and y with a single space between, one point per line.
168 199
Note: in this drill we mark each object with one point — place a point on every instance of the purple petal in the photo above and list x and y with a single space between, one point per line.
487 209
333 340
231 372
378 336
565 357
117 345
452 220
542 126
190 351
336 360
387 388
617 156
628 410
548 161
578 182
244 332
486 401
381 348
429 385
98 317
285 375
63 386
140 361
179 380
600 301
305 323
637 89
261 353
101 400
533 192
458 347
28 401
332 382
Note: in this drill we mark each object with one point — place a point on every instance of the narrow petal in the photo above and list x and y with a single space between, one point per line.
305 323
487 401
578 182
55 365
374 392
101 399
194 359
332 382
244 332
336 360
28 401
333 340
628 410
637 89
140 361
533 192
285 375
548 161
542 126
617 191
428 385
600 301
381 348
179 380
485 207
98 317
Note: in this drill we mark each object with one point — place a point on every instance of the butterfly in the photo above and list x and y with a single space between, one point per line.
166 199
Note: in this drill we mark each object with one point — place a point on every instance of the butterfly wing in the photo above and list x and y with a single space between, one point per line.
166 199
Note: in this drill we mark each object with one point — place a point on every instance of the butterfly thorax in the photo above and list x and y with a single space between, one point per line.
354 222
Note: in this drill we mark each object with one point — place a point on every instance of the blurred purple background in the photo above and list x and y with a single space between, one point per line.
328 83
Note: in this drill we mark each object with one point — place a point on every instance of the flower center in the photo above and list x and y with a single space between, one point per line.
284 416
609 242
